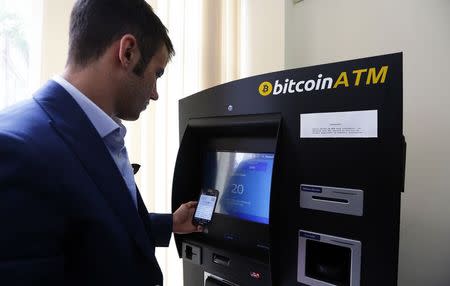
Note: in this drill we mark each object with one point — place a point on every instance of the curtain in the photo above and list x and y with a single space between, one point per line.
206 37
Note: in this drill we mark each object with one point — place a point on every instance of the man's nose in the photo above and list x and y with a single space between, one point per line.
154 94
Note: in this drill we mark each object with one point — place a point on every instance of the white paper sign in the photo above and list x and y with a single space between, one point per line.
350 124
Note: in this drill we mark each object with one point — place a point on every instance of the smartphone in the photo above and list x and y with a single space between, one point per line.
205 207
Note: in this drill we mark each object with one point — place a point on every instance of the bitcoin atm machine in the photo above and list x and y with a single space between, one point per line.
309 167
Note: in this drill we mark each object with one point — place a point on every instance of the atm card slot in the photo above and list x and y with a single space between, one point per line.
221 260
332 199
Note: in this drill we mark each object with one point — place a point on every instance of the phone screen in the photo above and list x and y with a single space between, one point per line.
205 207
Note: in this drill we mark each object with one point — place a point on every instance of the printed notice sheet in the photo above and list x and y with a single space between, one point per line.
350 124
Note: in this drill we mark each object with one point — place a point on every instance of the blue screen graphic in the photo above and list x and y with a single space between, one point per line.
243 181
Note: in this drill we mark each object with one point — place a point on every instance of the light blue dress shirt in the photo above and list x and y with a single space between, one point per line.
111 130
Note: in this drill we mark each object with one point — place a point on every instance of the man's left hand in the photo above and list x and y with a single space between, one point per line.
182 219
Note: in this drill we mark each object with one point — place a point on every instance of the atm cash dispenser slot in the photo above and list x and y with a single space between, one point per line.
325 260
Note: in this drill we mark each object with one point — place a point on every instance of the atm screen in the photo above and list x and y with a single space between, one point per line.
243 181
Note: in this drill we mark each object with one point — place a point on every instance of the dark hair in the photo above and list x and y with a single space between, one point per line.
96 24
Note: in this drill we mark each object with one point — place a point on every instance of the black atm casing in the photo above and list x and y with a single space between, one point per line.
235 117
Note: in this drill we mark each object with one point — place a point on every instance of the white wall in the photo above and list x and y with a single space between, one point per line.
322 31
263 44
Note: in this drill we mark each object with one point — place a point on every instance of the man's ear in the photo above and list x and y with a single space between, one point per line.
128 51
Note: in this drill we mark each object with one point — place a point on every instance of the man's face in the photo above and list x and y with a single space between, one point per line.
140 89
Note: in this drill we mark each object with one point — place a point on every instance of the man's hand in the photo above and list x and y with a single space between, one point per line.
182 219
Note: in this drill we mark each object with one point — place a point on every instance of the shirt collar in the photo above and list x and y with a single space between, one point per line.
102 122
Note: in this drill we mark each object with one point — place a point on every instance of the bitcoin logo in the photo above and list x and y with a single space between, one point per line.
265 88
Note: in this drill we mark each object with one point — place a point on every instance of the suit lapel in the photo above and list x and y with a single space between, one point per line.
78 132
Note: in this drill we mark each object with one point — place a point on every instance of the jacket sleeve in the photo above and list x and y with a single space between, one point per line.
30 248
161 225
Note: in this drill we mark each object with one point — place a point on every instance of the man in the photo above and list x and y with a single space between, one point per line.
70 212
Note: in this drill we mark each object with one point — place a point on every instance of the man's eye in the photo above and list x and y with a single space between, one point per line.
159 74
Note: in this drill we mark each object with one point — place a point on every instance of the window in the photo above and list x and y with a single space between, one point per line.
20 45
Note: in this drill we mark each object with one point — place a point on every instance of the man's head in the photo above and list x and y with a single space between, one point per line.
134 34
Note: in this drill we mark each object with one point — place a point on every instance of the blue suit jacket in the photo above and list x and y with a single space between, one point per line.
66 216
